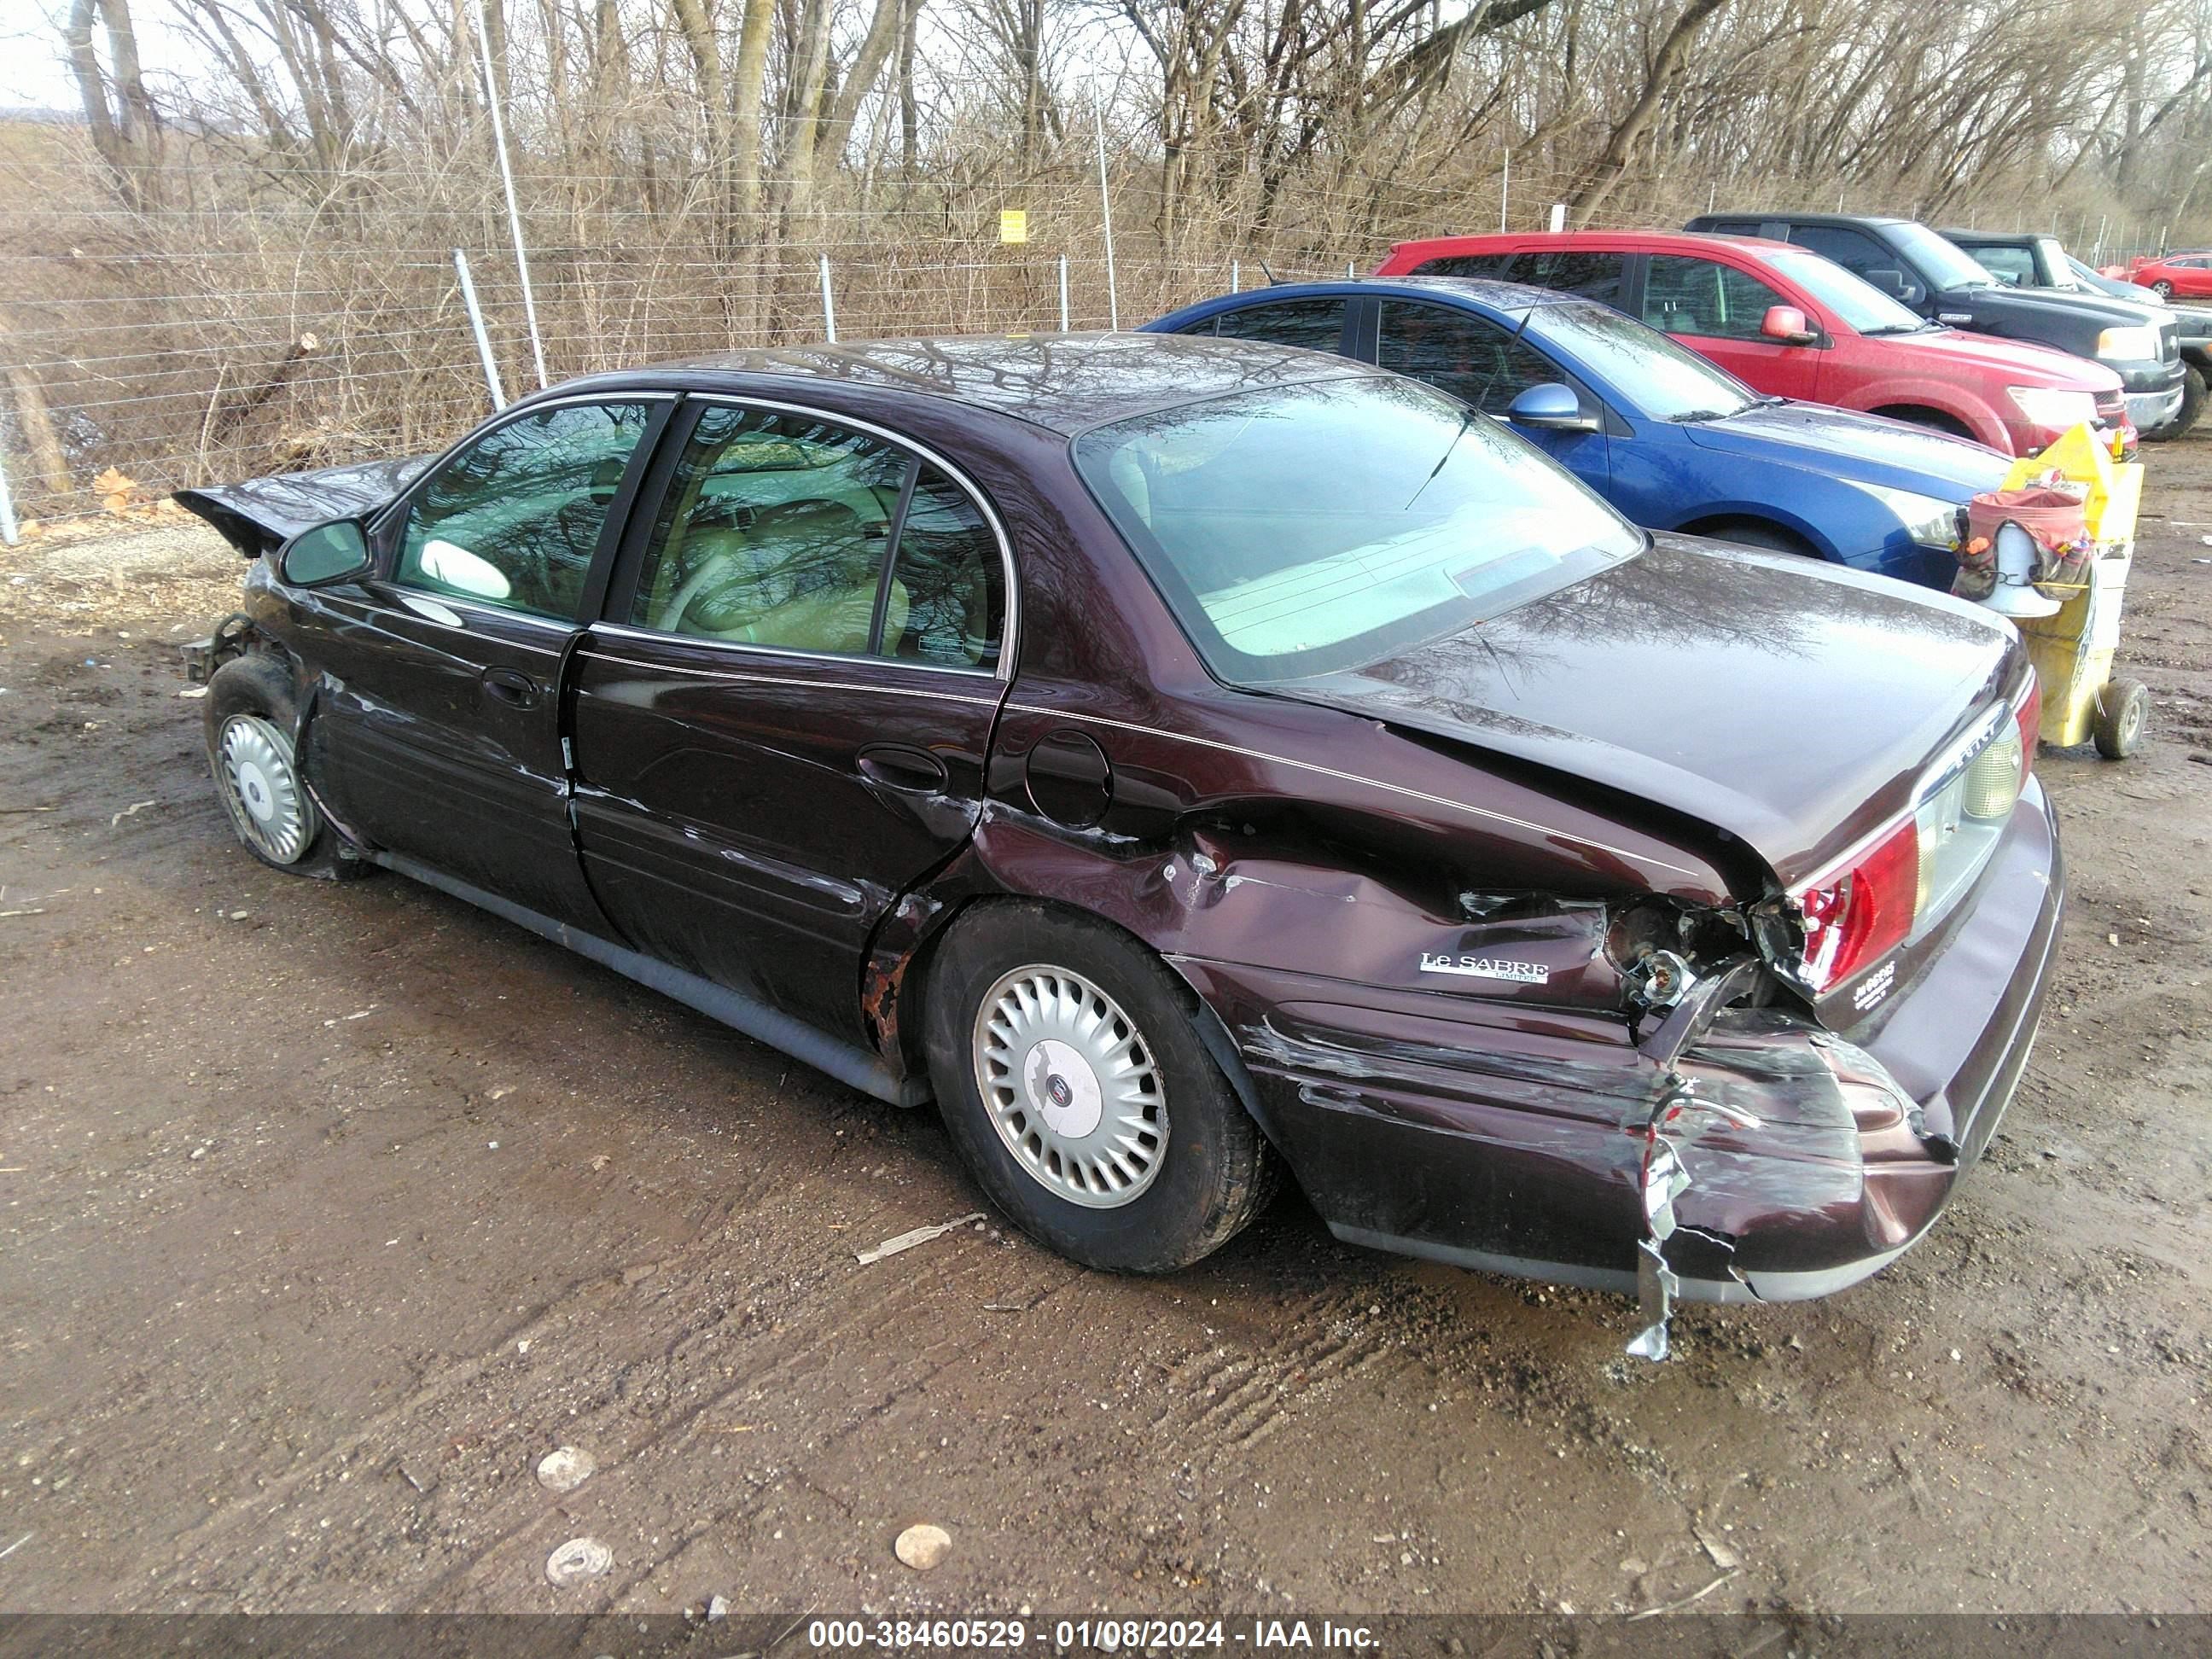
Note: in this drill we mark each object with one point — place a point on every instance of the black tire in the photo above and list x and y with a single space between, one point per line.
1751 532
1213 1170
2122 709
2164 289
250 701
2192 405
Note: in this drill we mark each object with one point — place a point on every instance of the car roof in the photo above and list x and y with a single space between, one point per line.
1482 290
1065 383
1958 233
1803 218
1536 240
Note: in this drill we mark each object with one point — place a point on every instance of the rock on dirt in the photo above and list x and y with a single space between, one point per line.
578 1561
924 1546
566 1468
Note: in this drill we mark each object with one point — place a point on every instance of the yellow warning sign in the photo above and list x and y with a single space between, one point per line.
1013 225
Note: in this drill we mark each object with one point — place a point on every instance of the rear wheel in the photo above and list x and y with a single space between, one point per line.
250 722
1072 1077
2163 288
2123 706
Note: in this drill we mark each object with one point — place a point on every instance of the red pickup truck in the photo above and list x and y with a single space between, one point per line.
1791 324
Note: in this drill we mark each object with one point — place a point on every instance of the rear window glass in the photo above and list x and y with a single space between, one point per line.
1303 529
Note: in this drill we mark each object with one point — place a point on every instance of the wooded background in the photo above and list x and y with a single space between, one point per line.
240 259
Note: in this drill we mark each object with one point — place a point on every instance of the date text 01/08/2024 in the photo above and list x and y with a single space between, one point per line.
1098 1635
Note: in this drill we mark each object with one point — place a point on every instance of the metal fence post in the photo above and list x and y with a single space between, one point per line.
1236 276
1063 293
828 305
1505 191
506 177
9 531
1106 218
476 322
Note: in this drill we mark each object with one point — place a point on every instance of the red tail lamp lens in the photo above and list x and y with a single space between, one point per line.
1864 912
2031 724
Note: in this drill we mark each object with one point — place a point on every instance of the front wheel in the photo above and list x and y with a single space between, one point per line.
1072 1077
2123 706
2192 405
257 774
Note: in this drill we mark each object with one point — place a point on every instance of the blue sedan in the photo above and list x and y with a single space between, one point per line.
1671 441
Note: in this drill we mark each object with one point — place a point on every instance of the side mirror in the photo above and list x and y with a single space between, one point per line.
1551 407
1896 284
333 552
1787 324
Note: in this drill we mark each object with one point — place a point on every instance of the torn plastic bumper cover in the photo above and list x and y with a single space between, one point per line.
1734 1154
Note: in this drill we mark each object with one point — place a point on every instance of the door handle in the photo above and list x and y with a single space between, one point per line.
510 686
897 767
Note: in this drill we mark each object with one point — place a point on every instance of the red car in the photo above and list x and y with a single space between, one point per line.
2174 276
1791 324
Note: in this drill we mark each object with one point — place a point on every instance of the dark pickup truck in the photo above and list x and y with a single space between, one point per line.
2026 260
1905 259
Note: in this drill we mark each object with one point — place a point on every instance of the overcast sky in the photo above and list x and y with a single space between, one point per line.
32 70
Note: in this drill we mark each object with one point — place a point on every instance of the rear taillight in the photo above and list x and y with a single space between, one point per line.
1916 869
2029 715
1856 917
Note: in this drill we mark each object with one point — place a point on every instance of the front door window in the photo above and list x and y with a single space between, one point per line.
1705 299
514 519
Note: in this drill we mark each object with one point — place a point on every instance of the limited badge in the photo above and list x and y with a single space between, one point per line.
1874 988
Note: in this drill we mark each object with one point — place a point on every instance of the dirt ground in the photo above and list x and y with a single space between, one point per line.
326 1212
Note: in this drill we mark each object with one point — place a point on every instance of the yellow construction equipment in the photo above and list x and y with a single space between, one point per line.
2072 650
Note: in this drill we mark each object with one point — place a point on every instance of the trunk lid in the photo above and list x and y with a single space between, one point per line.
1791 704
262 514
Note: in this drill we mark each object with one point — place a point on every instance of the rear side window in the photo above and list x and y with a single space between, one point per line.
1705 298
1471 357
2013 266
1854 250
1315 324
1594 276
773 533
1465 264
946 601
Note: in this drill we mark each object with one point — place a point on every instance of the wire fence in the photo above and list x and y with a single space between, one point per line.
251 331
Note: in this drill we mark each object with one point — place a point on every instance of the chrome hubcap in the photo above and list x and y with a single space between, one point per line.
1071 1086
253 765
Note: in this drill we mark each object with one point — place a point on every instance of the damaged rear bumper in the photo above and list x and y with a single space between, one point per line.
1514 1138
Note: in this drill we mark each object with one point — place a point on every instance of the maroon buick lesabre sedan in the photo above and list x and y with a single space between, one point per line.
1185 760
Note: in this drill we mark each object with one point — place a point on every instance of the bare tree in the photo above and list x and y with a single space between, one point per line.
127 133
